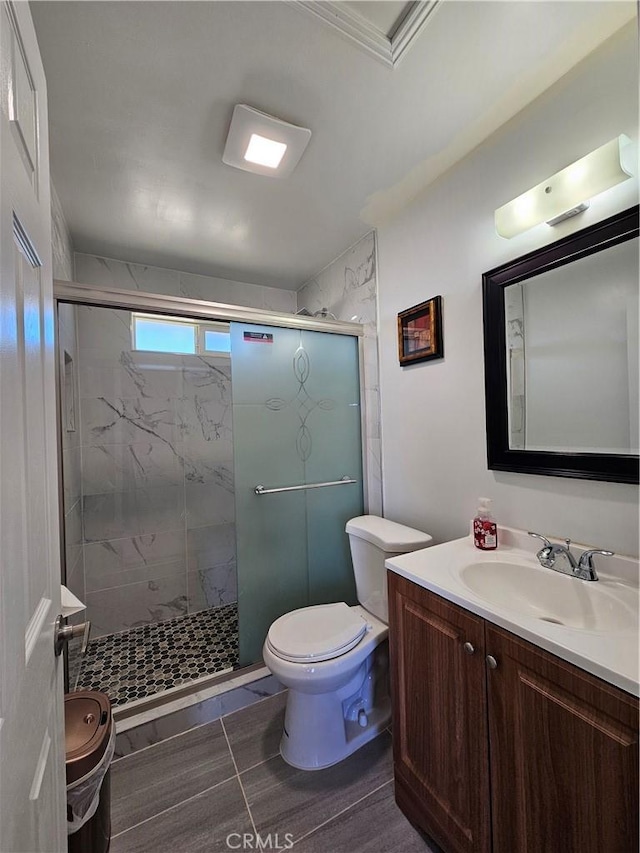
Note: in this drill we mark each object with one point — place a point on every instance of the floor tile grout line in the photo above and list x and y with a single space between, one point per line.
193 728
174 806
341 812
244 795
259 763
253 704
164 740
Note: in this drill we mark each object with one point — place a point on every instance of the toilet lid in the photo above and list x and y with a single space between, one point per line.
316 633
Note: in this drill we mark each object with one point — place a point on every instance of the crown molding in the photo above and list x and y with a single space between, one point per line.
411 26
389 50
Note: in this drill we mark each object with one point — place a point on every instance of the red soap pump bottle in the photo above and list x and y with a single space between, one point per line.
485 530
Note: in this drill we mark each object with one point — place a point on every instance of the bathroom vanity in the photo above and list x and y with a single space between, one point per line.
515 713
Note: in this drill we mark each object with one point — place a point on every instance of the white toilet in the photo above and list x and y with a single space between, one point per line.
334 658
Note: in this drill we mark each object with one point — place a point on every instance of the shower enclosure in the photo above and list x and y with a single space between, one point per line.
172 414
297 421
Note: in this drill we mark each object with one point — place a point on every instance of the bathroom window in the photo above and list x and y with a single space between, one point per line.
163 334
177 335
214 339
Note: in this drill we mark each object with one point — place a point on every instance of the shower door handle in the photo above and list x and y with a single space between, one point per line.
63 633
343 481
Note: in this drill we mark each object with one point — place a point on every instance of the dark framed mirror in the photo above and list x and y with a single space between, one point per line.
561 356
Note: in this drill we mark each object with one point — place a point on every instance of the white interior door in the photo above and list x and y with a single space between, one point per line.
32 785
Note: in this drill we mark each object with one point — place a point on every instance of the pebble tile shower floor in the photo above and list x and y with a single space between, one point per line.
146 660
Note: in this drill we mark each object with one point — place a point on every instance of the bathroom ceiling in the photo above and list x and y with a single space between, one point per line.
141 96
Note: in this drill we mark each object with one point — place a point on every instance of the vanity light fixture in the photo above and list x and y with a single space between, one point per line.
260 143
567 193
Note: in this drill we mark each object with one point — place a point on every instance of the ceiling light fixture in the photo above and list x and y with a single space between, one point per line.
567 193
260 143
264 152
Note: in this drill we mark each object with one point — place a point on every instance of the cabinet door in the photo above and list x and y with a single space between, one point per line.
439 717
564 755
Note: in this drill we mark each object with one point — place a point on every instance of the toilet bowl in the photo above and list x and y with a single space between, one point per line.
334 657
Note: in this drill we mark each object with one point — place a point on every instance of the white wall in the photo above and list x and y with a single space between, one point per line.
433 419
61 244
577 358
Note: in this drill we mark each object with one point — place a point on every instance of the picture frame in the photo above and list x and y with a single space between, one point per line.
420 332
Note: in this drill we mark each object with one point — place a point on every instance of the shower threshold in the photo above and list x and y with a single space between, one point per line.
152 659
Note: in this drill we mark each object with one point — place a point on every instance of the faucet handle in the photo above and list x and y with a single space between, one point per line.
545 555
586 560
586 570
539 536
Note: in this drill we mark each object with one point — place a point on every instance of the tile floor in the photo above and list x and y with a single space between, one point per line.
200 791
146 660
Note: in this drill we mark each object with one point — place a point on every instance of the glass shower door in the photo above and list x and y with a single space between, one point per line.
296 421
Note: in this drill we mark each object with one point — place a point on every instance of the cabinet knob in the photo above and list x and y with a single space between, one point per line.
492 662
468 648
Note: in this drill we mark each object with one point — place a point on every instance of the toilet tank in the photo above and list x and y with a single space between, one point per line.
373 540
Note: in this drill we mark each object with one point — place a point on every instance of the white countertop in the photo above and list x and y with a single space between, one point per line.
610 655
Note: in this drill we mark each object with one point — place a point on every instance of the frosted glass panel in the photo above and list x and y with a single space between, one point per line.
296 420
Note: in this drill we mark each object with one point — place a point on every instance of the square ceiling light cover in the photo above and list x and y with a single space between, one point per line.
256 139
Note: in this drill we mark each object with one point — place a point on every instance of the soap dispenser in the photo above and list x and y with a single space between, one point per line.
485 530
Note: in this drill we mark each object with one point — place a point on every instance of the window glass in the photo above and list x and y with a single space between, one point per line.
215 341
158 335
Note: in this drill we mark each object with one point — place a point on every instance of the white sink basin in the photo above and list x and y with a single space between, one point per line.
593 625
552 597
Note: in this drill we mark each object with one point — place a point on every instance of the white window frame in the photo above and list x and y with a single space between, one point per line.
220 326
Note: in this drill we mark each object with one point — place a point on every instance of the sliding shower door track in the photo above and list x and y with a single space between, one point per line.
134 300
175 698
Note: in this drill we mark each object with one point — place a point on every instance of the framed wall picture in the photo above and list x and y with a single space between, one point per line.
420 332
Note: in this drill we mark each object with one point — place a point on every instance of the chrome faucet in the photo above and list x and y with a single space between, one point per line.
560 559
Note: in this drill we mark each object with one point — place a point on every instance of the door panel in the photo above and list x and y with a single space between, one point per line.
564 754
32 786
296 420
440 730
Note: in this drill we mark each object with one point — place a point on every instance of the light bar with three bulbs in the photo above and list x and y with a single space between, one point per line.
567 193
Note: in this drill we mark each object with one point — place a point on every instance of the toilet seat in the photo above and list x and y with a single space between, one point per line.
317 633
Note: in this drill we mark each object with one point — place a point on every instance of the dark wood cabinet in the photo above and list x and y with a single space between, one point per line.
532 756
440 737
564 754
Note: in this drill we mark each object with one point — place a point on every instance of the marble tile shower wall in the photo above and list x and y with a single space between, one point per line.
152 561
348 289
106 272
157 478
159 529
